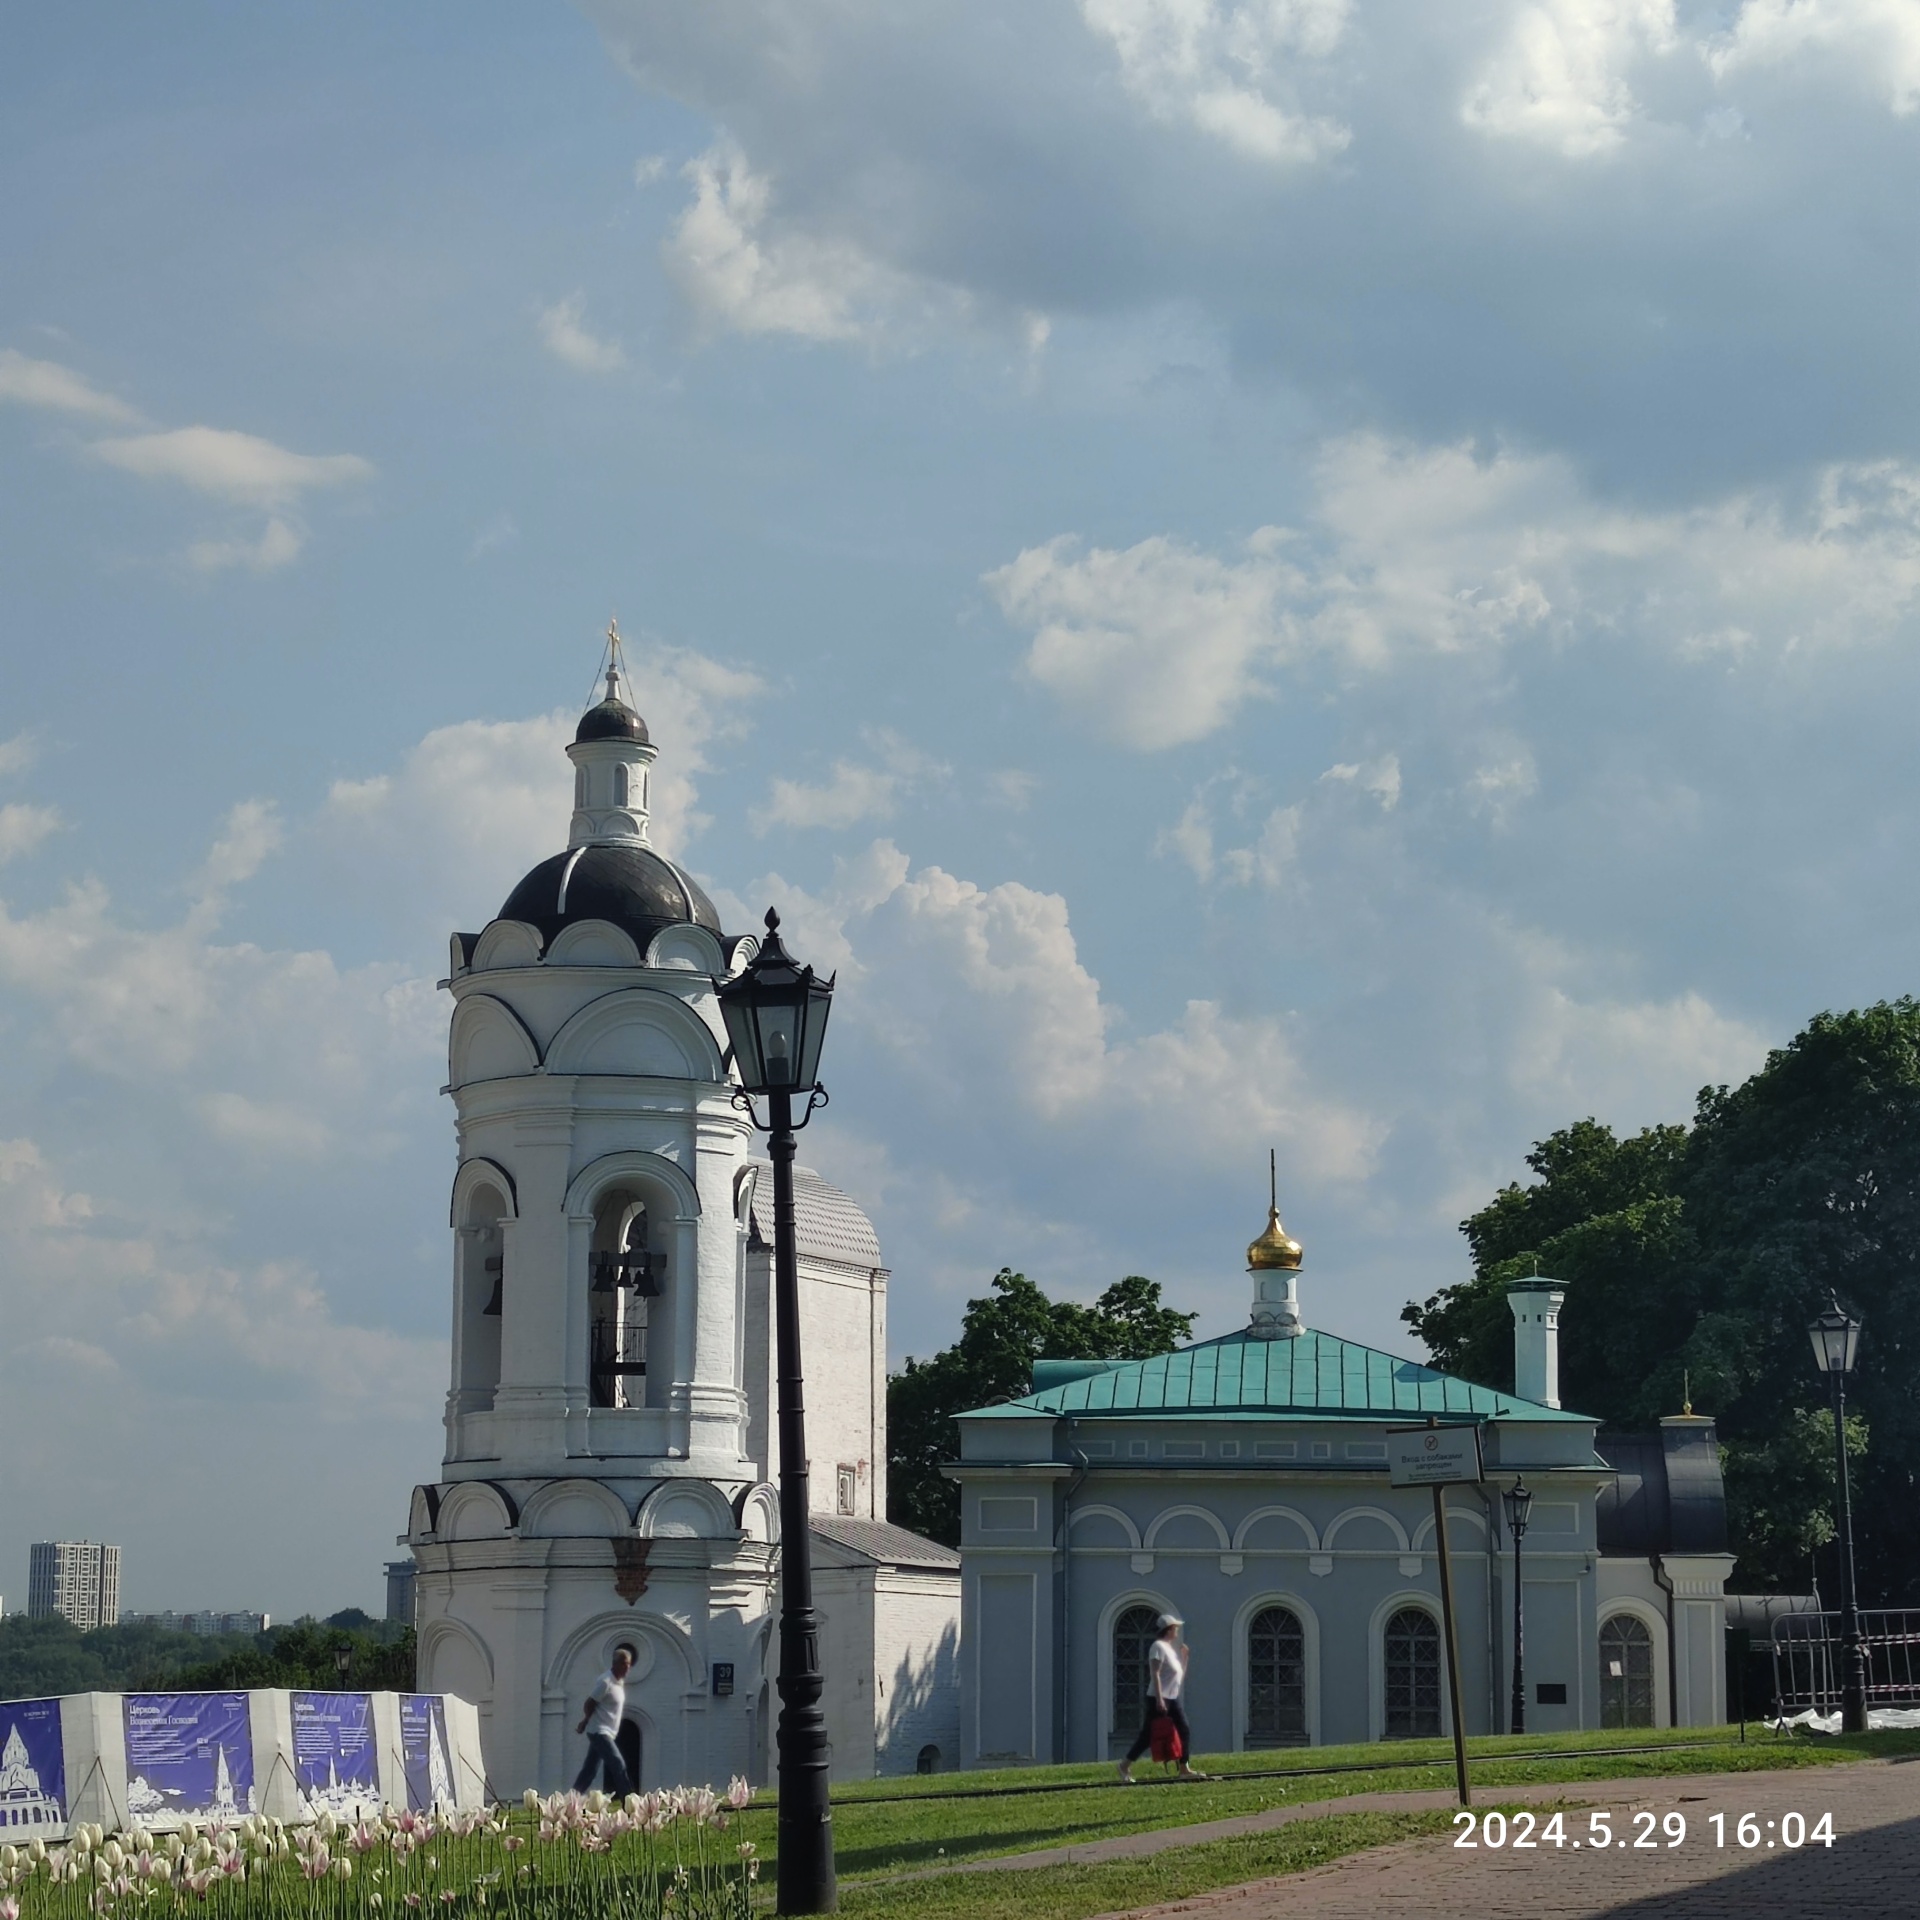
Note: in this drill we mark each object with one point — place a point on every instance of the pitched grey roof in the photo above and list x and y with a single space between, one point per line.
881 1540
829 1224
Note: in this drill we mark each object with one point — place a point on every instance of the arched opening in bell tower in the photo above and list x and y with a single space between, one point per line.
481 1297
626 1284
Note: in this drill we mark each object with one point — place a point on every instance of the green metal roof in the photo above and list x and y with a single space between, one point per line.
1312 1376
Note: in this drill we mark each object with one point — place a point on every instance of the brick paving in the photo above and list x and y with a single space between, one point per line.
1872 1872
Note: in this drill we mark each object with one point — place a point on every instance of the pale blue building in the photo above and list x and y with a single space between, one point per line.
1242 1483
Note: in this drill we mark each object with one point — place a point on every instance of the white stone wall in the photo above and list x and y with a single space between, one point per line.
916 1655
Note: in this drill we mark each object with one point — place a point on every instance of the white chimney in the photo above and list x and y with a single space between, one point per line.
1536 1339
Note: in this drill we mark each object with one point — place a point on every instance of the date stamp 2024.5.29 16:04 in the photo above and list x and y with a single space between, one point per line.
1642 1831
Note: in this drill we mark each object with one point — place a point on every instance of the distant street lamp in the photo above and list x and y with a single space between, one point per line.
343 1661
1518 1501
1836 1342
776 1015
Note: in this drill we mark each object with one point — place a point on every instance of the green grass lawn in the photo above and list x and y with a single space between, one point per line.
888 1827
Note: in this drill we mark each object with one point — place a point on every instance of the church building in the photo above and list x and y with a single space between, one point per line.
610 1447
1243 1485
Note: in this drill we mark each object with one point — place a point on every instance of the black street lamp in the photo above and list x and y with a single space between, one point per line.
343 1662
1518 1501
776 1015
1836 1342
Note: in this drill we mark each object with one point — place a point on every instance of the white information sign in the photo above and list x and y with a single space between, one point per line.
1434 1456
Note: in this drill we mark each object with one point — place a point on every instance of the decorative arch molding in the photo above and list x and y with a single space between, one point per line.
593 943
756 1512
1377 1658
687 949
598 1175
557 1493
435 1633
506 943
481 1501
637 1031
686 1510
1655 1623
1123 1521
1401 1543
488 1041
1423 1533
608 1629
1307 1529
479 1172
423 1511
1211 1521
1103 1645
1310 1655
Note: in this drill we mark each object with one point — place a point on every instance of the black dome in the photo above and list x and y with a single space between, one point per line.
633 887
611 720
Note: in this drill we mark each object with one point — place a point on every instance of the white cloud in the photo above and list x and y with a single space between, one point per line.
1436 550
58 389
278 545
18 753
1380 778
1561 78
1880 39
234 466
1230 68
854 791
23 826
501 531
744 270
569 340
650 169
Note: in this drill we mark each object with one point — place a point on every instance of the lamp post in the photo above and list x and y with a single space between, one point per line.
343 1662
776 1015
1836 1342
1518 1501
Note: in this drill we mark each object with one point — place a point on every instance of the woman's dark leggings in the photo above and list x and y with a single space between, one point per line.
1144 1738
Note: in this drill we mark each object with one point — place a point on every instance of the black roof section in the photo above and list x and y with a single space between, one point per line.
612 719
1667 1495
635 888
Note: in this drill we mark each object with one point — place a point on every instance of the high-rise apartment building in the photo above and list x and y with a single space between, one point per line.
77 1579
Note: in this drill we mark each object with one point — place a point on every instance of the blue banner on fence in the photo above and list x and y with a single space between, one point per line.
33 1772
423 1745
334 1759
188 1753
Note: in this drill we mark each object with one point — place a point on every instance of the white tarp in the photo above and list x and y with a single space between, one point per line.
1878 1720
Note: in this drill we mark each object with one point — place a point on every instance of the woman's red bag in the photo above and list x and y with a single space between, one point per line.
1166 1739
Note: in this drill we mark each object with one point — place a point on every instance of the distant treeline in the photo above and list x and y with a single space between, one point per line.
41 1657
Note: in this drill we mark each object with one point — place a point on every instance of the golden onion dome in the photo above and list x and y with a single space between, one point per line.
1275 1248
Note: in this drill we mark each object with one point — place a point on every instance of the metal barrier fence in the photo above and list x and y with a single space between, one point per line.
1807 1659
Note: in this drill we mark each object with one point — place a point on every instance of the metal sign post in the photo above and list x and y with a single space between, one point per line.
1436 1457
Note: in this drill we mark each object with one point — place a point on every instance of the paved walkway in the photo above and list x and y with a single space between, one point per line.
1872 1872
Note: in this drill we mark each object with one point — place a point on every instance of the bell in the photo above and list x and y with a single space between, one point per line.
641 1270
497 1266
600 1267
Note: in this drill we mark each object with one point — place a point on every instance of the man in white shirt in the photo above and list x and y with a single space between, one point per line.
1166 1677
600 1722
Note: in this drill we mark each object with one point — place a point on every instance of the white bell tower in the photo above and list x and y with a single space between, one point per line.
597 1488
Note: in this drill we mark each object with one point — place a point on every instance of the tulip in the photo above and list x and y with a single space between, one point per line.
9 1906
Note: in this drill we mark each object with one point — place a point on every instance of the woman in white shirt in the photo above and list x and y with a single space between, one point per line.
1166 1678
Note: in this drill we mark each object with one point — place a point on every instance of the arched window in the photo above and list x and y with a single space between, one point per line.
625 1276
1411 1655
928 1761
481 1297
619 786
1132 1636
1276 1679
1626 1672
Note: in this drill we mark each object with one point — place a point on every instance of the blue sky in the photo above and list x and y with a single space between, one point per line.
1253 572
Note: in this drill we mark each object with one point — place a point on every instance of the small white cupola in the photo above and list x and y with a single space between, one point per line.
612 758
1536 1339
1274 1262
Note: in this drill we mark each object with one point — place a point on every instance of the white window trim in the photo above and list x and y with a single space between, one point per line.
1377 1659
1109 1615
1655 1623
1242 1664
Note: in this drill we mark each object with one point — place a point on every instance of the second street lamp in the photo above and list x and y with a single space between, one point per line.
1518 1501
1836 1343
776 1015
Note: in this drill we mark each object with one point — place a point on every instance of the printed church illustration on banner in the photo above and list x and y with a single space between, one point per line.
32 1787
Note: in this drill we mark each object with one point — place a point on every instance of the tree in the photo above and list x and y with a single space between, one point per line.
1695 1257
1001 1336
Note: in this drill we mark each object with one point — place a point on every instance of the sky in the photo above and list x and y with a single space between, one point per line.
1327 575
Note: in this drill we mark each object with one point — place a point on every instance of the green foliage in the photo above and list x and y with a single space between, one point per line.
42 1657
1001 1336
1700 1254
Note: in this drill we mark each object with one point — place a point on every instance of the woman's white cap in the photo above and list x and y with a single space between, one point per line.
1167 1620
